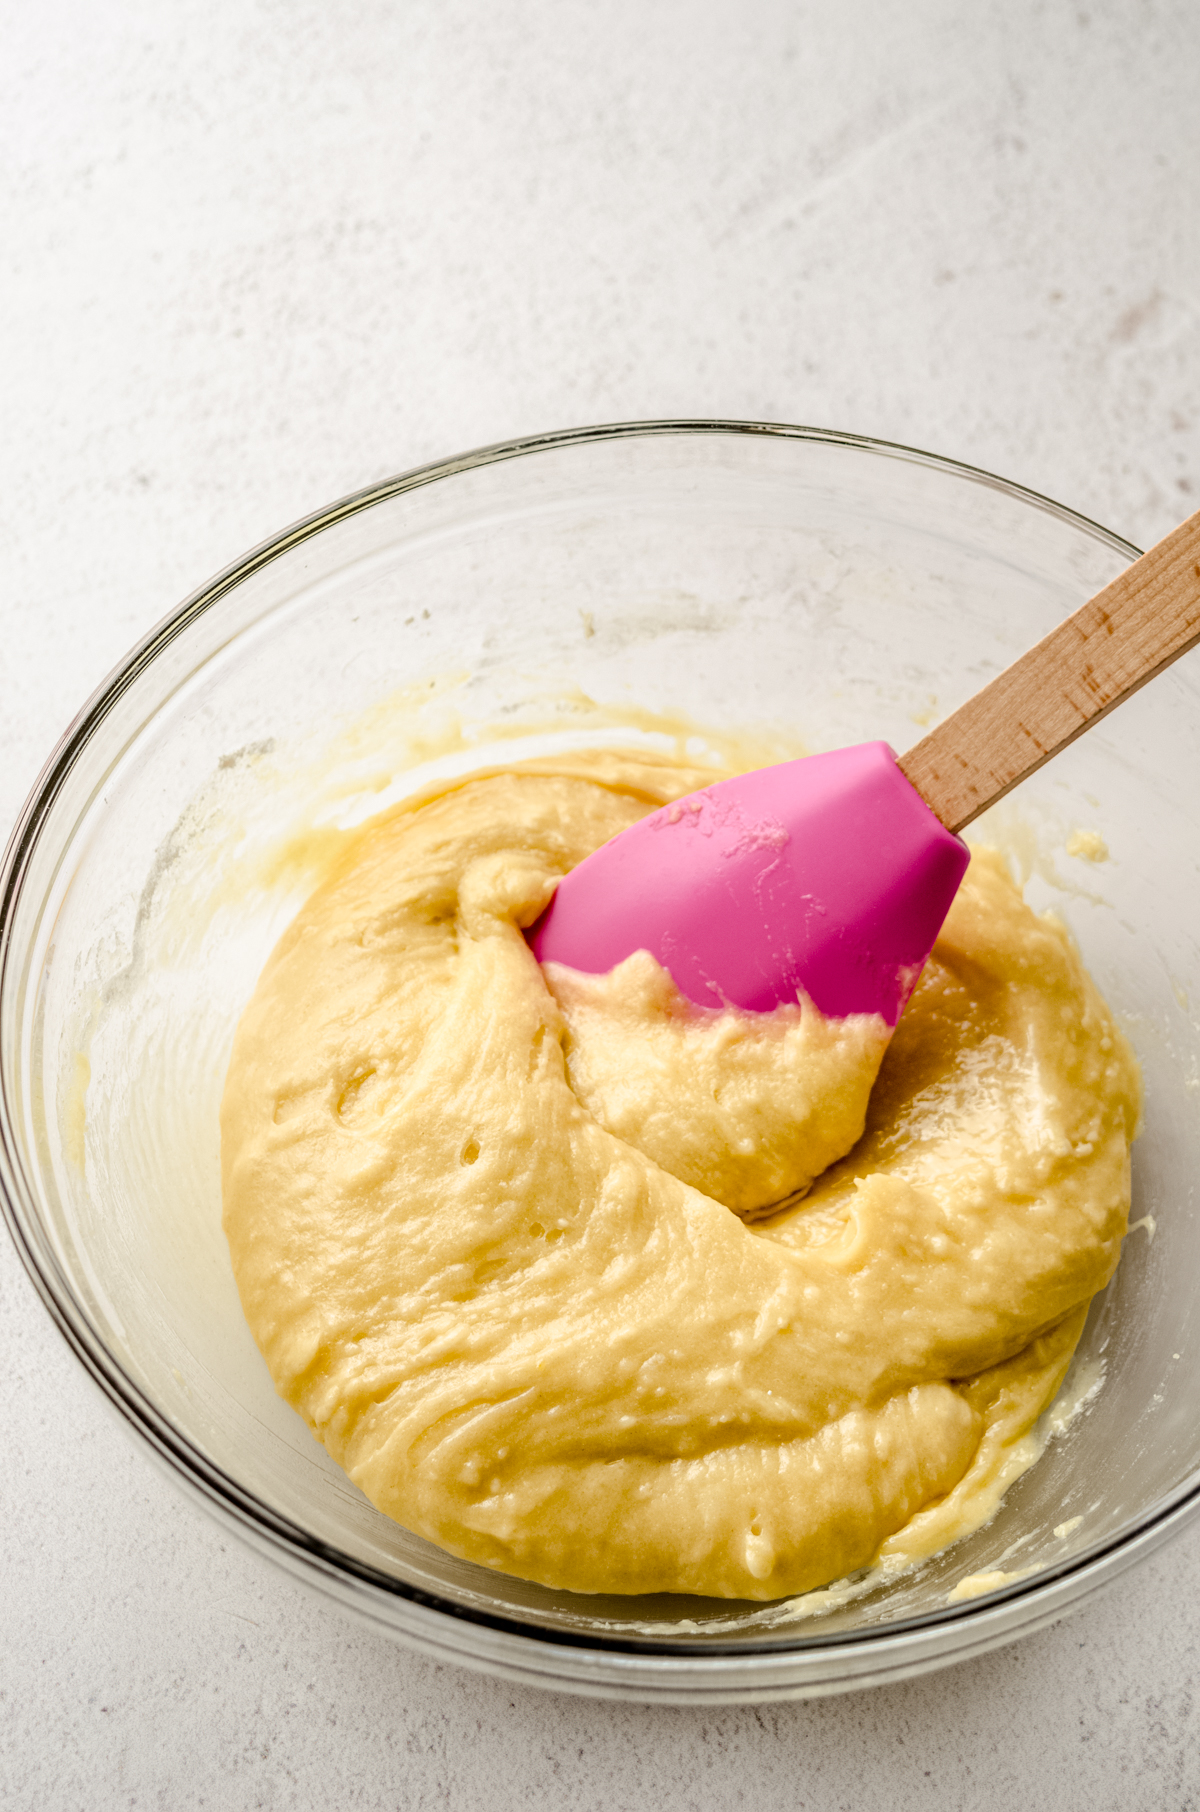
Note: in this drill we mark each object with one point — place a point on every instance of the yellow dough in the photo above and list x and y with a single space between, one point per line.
518 1256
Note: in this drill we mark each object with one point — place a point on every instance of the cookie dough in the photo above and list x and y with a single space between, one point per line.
542 1261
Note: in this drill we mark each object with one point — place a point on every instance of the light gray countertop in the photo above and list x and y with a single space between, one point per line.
258 255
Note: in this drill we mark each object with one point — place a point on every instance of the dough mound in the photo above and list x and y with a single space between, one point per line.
493 1248
748 1107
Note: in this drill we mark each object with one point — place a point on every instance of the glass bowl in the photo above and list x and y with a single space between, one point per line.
641 583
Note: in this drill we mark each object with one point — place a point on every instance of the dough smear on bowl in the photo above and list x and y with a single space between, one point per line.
619 1294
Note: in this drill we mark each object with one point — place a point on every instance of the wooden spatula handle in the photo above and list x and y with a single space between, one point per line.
1078 673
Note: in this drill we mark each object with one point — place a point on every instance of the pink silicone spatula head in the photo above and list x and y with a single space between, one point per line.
828 876
832 876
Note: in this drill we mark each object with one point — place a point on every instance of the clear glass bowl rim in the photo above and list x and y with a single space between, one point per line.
287 1542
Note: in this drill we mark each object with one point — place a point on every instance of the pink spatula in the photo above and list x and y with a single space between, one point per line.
833 874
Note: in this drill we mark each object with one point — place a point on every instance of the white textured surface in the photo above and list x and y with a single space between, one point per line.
257 254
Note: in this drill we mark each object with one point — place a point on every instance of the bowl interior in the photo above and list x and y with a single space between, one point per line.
739 591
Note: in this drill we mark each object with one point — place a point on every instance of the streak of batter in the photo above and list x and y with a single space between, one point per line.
541 1259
